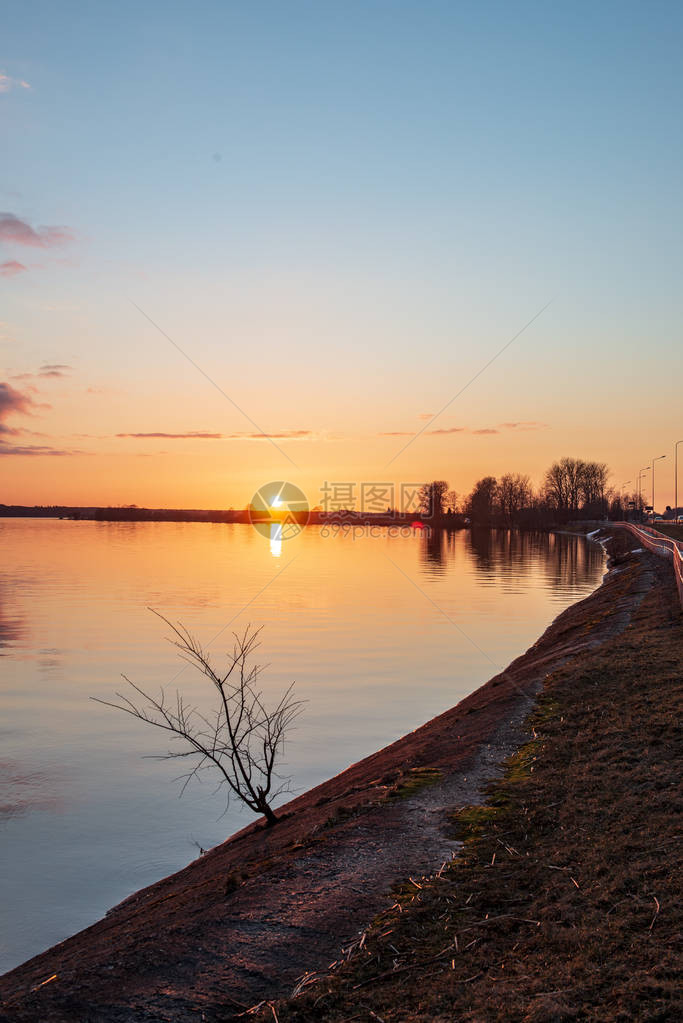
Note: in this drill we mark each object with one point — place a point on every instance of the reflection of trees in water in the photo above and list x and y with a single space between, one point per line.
433 549
11 628
565 560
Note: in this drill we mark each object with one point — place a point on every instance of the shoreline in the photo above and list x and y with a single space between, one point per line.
564 900
253 914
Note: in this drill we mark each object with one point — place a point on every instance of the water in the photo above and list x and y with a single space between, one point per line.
380 633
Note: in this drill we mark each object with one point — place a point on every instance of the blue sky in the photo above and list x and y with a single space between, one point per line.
342 211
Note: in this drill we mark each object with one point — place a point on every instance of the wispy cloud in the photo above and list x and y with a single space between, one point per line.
35 450
192 435
49 369
450 429
526 424
480 432
284 435
54 369
203 435
19 232
430 433
11 267
7 83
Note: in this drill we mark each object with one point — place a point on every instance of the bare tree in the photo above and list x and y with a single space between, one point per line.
241 740
573 486
594 487
514 494
431 497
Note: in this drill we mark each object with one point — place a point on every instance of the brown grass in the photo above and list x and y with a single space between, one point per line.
670 529
564 902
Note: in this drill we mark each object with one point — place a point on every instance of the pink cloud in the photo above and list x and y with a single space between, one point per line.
13 402
12 229
35 449
12 267
197 435
7 83
202 435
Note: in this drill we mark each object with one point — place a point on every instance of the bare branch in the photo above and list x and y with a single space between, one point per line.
242 740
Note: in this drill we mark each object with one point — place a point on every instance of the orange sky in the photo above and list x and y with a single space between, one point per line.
328 228
342 444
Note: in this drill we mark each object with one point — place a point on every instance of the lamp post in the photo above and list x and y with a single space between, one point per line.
621 494
657 459
676 479
640 492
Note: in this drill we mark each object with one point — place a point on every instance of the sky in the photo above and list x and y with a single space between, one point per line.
326 222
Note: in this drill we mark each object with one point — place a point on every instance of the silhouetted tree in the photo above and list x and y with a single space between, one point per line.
572 486
514 495
481 502
431 497
594 489
241 740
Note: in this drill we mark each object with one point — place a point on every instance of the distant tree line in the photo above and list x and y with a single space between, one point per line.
572 489
122 513
131 513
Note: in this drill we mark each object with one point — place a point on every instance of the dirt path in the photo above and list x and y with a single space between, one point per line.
249 918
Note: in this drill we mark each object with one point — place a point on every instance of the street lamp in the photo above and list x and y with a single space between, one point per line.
640 492
621 494
676 478
657 459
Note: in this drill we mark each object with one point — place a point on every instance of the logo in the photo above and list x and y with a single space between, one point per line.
279 510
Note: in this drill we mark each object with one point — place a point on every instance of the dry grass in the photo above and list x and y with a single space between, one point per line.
565 902
670 529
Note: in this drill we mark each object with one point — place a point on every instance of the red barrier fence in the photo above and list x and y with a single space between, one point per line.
661 545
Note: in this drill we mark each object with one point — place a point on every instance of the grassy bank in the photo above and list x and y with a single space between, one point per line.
564 902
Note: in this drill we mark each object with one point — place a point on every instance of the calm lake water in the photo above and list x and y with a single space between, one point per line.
380 634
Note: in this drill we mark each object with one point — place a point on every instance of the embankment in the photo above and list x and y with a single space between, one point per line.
244 921
564 902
